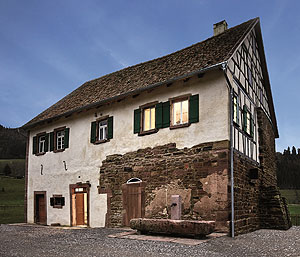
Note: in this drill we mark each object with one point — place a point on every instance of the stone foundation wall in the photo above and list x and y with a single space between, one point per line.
246 195
273 208
199 174
258 203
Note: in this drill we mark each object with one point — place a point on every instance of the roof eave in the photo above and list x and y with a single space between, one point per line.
29 125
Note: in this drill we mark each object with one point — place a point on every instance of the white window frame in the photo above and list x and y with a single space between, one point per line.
173 123
102 130
60 140
41 144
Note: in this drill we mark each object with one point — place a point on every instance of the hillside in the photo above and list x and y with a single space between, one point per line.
288 169
12 143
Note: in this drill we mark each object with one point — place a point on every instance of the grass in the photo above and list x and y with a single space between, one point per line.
292 195
11 200
17 166
294 209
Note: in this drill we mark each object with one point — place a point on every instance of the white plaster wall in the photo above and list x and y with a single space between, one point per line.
84 159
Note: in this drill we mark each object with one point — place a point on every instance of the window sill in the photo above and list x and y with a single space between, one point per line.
39 154
180 126
58 151
101 141
148 132
57 206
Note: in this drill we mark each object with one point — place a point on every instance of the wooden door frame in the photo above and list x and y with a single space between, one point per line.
45 199
141 186
72 191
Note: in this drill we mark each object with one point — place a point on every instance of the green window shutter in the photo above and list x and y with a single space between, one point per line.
245 118
67 136
137 121
251 126
46 142
110 127
166 114
159 115
194 109
34 145
51 141
93 131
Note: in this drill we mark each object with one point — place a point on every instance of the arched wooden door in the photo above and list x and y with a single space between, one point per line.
133 195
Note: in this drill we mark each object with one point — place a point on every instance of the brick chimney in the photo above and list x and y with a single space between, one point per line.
220 27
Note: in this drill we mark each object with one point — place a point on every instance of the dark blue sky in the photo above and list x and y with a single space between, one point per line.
49 48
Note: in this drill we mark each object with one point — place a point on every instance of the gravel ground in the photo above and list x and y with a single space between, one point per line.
18 240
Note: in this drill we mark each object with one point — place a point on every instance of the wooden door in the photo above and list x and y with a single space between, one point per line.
40 209
79 201
133 202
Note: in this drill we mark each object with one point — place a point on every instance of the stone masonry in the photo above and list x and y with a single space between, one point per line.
198 174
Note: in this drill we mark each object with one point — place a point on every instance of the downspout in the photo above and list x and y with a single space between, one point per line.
224 67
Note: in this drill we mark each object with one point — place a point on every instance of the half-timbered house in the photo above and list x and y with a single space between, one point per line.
199 123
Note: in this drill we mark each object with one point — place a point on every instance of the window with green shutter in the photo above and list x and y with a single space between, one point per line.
248 125
34 145
51 141
194 109
159 115
137 121
93 131
102 130
166 114
110 127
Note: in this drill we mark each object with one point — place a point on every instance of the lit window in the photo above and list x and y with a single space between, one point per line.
102 131
60 140
42 140
148 118
180 112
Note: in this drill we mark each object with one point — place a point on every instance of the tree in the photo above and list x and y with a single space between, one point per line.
7 170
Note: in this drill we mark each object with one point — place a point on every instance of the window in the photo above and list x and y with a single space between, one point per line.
57 141
180 112
235 108
177 112
42 140
102 130
248 126
149 118
60 140
57 201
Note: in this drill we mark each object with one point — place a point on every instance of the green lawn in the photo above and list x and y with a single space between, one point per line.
292 195
17 166
294 208
11 200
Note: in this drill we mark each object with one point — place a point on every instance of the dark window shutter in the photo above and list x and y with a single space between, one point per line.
110 127
159 115
245 118
93 131
51 141
166 114
251 126
34 145
62 201
67 133
194 109
137 121
46 142
51 201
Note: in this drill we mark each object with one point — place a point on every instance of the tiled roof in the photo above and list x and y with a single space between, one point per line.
199 56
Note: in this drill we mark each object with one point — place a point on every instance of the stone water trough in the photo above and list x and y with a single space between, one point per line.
193 228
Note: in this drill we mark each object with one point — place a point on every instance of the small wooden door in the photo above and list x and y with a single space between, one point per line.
79 201
40 208
133 202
